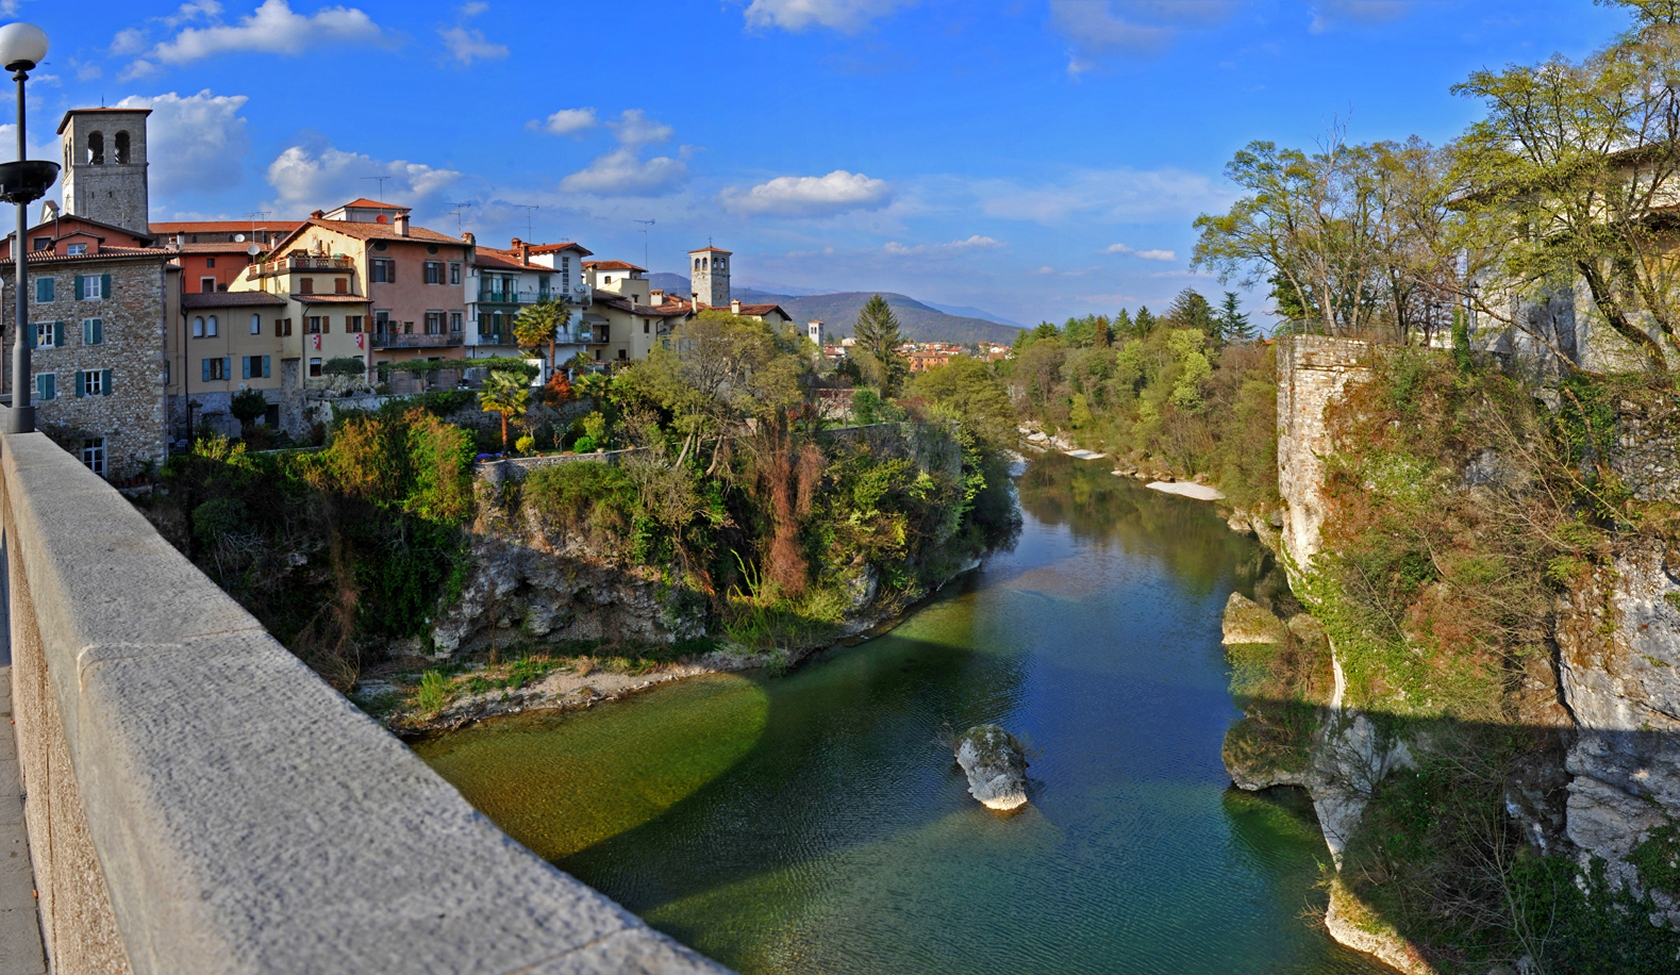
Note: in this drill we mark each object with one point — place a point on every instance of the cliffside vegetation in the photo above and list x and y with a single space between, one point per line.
785 525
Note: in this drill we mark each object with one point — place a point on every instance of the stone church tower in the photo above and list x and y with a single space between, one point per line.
708 276
105 166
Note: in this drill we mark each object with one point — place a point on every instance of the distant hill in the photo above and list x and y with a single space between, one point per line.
920 322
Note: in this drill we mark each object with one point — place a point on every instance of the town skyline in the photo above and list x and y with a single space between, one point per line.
840 176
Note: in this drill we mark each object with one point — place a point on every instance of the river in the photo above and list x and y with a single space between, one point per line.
814 823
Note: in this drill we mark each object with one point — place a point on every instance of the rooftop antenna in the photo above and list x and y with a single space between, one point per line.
255 215
459 207
381 189
529 209
646 226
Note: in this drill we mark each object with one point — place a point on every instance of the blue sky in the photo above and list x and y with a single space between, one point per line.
1038 159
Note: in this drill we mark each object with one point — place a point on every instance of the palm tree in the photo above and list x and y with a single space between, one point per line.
541 323
504 392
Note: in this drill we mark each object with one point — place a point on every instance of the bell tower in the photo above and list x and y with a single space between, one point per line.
708 276
105 166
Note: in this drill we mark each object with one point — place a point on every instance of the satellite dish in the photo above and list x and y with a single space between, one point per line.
239 238
253 250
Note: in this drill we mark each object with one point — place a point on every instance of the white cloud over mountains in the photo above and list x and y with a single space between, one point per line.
197 143
847 16
809 196
273 28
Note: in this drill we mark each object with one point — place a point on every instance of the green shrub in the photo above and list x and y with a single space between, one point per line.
435 692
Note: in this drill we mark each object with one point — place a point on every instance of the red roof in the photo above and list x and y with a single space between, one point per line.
612 266
507 260
222 226
556 248
368 204
708 247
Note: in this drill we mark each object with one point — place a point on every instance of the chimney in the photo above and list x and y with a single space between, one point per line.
402 224
316 214
524 249
656 297
735 306
469 238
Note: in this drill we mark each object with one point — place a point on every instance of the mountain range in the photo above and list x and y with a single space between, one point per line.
918 321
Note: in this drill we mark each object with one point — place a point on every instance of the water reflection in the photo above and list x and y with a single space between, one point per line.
838 835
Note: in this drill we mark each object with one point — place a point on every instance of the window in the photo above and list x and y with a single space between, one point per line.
93 331
565 274
49 335
306 286
341 286
282 326
210 330
206 286
408 328
253 367
434 323
601 332
93 382
96 149
434 272
314 325
43 289
455 322
384 271
454 274
381 321
209 262
122 148
607 279
380 245
352 323
75 249
542 286
198 326
314 367
43 243
256 324
484 328
644 326
214 369
621 354
46 386
93 454
496 324
92 286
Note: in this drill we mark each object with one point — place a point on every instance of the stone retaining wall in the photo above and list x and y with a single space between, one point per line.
198 801
1313 370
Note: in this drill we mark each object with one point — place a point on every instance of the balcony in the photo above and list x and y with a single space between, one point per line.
307 262
398 340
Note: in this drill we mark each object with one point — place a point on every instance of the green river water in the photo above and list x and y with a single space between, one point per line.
813 824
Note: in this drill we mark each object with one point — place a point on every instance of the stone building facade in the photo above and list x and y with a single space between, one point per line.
105 166
98 362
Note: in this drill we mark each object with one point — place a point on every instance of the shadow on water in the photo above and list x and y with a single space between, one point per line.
814 823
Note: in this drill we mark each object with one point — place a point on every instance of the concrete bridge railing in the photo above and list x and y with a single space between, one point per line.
198 801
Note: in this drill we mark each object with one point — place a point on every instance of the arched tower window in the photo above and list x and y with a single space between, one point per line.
96 149
703 263
121 145
697 263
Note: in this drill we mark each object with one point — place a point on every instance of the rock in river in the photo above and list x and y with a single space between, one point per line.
995 765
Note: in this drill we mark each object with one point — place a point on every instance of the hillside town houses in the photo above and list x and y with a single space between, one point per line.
145 332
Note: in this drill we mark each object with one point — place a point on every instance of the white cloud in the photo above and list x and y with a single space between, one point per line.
810 196
975 242
1095 31
1127 195
195 143
307 179
567 121
848 16
465 44
188 12
622 172
1149 255
1331 14
273 28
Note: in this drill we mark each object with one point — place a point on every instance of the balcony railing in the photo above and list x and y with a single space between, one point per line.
486 296
301 262
398 340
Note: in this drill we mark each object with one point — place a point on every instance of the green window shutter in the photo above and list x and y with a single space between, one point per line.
80 287
43 289
105 383
244 367
42 386
104 286
80 382
58 335
99 331
265 367
206 364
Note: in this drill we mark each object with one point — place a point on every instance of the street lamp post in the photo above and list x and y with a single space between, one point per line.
22 47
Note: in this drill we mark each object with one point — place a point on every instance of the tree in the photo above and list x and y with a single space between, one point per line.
504 393
1190 310
541 323
247 405
967 387
1143 322
344 365
877 345
1233 324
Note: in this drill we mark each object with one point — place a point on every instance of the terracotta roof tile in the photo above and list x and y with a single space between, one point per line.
230 299
556 248
366 203
613 266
